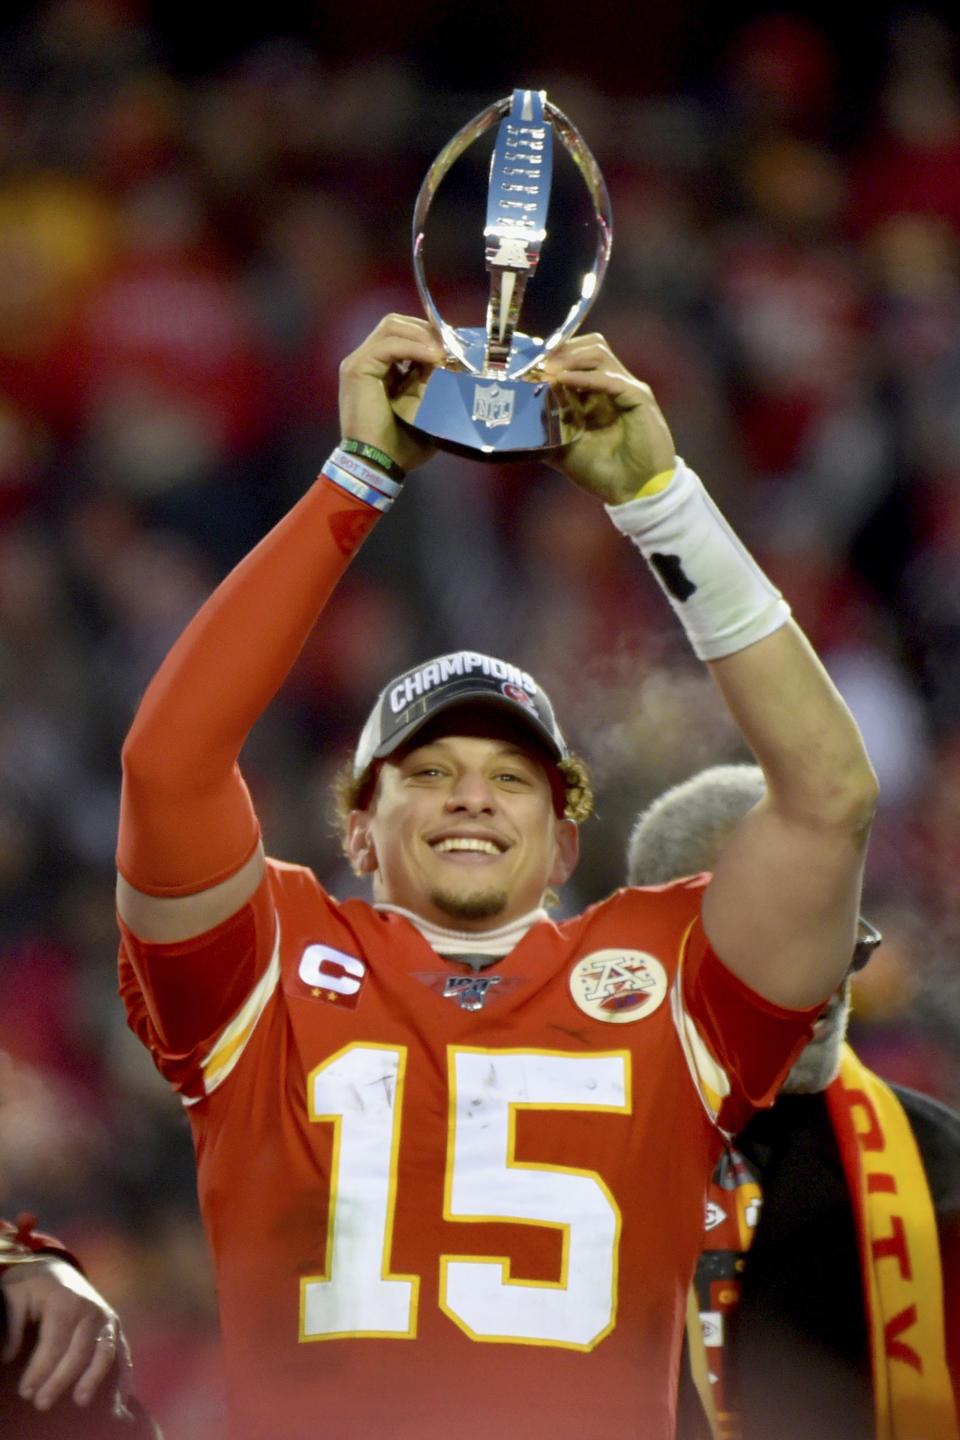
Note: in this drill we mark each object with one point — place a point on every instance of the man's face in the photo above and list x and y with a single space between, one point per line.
461 829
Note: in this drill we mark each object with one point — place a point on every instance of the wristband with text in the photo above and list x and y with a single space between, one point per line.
386 462
330 470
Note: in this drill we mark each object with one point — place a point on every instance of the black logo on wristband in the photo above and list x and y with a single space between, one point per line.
672 574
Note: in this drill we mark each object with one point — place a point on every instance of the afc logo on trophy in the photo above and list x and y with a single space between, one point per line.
512 253
492 405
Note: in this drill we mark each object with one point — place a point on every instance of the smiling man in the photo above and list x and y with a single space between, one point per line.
462 792
452 1155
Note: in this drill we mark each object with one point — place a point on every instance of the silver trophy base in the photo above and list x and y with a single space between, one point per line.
489 416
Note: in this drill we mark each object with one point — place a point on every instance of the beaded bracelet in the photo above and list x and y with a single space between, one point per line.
379 457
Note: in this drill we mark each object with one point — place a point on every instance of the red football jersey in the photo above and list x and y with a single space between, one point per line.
452 1205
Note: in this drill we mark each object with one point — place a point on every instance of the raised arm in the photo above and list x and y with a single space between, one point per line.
782 907
189 852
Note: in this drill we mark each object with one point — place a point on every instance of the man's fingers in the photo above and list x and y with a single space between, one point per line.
397 338
57 1339
587 363
56 1363
397 342
110 1346
624 390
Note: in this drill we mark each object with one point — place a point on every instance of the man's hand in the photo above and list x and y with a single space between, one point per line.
367 375
626 440
79 1335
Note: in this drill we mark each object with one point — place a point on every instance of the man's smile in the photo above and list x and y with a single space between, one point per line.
467 845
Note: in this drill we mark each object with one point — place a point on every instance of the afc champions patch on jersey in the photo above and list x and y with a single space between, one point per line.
332 974
618 986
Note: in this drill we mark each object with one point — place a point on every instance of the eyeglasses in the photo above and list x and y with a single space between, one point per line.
868 938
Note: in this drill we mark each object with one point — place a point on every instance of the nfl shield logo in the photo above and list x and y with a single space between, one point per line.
492 405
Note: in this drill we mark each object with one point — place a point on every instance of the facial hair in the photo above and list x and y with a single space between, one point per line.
482 905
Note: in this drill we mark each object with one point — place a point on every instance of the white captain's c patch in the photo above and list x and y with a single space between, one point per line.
332 975
331 969
618 986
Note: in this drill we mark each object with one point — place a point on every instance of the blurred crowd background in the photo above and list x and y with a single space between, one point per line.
195 227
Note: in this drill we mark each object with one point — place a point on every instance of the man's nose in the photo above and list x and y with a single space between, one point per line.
472 792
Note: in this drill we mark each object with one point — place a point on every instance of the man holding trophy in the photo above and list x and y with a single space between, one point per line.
451 1154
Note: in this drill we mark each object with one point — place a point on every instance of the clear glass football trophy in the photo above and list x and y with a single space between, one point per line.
489 401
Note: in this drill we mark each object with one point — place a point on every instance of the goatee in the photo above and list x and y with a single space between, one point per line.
482 906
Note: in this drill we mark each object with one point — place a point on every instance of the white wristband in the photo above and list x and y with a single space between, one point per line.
718 591
335 473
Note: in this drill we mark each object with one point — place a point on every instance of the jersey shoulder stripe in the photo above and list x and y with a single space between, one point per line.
230 1044
711 1081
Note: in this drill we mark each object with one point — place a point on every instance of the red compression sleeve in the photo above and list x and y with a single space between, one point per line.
186 818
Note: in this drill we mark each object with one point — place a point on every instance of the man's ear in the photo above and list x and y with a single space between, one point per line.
359 843
567 851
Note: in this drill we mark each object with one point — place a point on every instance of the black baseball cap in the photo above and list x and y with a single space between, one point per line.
463 677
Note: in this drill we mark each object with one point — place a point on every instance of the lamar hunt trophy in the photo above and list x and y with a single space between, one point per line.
490 401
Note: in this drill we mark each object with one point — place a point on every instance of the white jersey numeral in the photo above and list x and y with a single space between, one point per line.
485 1182
360 1091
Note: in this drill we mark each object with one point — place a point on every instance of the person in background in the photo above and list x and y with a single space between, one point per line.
829 1283
65 1364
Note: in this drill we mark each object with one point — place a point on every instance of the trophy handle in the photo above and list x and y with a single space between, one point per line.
528 111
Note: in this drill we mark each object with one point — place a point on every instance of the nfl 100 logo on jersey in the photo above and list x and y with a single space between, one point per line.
618 986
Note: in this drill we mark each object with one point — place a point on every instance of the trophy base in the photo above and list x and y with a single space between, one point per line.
489 417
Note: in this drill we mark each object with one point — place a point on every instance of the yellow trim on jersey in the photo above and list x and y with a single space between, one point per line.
379 1237
539 1222
232 1040
709 1077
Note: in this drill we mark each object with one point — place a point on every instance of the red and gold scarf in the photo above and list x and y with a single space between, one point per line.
899 1257
899 1261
